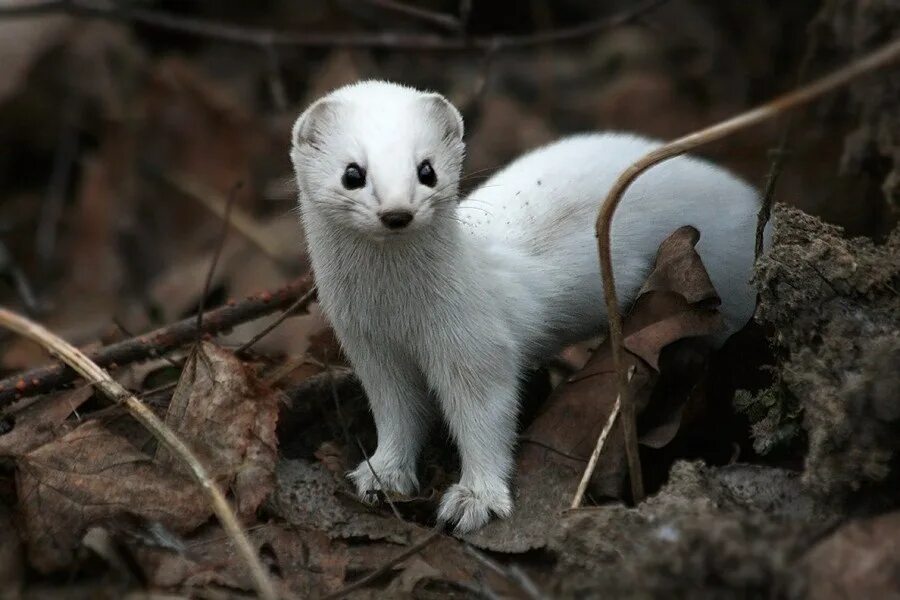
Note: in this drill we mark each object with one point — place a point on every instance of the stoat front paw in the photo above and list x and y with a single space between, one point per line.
470 509
390 479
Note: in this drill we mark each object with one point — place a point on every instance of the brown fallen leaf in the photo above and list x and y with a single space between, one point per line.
677 302
228 418
91 474
41 421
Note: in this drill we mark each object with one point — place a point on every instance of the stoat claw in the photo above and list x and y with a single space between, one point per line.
469 509
395 480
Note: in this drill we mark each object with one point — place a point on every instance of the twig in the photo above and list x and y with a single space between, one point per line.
152 344
875 60
115 392
513 573
276 82
10 270
598 448
411 551
444 21
215 203
781 152
384 490
465 12
301 303
55 197
121 326
265 37
226 221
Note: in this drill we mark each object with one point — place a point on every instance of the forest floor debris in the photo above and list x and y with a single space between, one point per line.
89 505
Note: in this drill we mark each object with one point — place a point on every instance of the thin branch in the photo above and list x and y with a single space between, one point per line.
465 13
300 304
115 392
442 20
277 89
513 573
875 60
155 343
217 204
780 154
411 551
268 37
384 490
10 270
226 221
55 197
598 448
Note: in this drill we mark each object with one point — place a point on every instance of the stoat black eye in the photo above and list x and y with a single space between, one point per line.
354 177
426 173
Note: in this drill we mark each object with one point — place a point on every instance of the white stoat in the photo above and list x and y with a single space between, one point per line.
440 304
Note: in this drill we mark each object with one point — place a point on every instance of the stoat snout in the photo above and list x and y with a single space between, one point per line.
395 219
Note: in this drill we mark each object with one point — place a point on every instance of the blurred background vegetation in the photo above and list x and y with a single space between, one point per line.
117 117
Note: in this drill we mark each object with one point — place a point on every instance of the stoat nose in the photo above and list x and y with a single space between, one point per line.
396 219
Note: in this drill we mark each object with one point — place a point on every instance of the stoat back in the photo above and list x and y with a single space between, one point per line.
547 203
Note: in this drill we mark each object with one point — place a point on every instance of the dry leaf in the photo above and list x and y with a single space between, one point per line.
677 302
41 421
304 563
90 475
228 419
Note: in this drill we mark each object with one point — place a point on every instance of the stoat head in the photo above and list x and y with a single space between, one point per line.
380 159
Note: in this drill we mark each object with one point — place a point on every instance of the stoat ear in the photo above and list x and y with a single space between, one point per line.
445 115
309 126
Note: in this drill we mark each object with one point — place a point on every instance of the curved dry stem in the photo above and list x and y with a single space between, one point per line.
598 448
875 60
88 369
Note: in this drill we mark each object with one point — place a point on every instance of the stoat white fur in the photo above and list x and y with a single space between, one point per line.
453 304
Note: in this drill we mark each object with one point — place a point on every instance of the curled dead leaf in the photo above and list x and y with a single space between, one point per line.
228 418
41 420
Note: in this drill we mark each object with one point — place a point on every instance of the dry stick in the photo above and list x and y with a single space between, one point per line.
880 58
780 153
152 344
598 448
442 20
301 303
266 37
384 490
411 551
55 197
226 221
73 357
513 573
